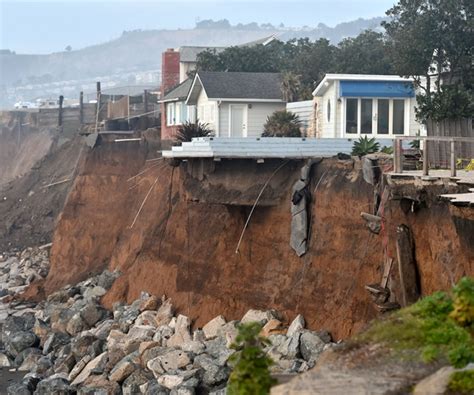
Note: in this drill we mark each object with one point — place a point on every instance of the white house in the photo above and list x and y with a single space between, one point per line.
351 105
236 104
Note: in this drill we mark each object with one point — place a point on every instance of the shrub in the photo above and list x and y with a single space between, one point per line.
462 382
189 130
251 373
282 124
365 146
434 328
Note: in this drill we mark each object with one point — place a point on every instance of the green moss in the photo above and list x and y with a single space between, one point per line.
462 382
428 328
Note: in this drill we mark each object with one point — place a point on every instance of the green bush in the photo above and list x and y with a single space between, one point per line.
365 146
250 375
435 328
282 124
189 130
462 382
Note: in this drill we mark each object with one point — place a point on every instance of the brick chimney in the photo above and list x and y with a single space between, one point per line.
169 70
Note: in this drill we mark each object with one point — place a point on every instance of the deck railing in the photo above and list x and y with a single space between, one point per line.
427 143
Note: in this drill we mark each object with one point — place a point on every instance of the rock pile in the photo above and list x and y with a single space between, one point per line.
70 344
17 271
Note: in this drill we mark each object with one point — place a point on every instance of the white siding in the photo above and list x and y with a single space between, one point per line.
304 111
206 110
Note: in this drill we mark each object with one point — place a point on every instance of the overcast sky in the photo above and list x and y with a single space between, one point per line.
47 26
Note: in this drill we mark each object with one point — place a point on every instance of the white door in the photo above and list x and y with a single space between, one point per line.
237 121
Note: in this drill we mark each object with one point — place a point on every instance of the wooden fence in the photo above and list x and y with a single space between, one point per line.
440 151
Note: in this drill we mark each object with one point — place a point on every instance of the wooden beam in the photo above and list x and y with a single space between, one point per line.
453 159
60 112
81 108
426 167
407 269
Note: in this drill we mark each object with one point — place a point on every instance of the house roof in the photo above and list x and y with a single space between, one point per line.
188 54
178 93
237 86
330 78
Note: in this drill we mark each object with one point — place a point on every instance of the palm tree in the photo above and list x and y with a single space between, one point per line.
290 86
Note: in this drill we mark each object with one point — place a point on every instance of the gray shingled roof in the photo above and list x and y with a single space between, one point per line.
236 85
180 92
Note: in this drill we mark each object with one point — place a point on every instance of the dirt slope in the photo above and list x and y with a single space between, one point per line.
185 249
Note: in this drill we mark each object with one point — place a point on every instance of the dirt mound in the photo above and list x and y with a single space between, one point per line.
186 249
29 205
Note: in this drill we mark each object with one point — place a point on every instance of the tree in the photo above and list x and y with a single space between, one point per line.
365 54
290 86
68 48
434 39
282 124
251 373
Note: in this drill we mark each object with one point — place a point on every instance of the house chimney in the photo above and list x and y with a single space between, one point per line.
169 70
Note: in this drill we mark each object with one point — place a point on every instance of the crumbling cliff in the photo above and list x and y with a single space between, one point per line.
185 248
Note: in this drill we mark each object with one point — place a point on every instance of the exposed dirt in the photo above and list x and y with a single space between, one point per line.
28 207
186 249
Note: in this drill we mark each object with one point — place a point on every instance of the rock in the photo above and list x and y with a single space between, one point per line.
437 383
170 381
30 362
97 365
44 366
132 383
20 358
170 361
195 347
147 318
152 353
99 385
151 303
272 326
55 341
18 389
92 314
182 332
184 390
213 373
76 325
297 325
65 363
257 316
31 380
124 368
102 330
94 293
106 279
42 330
311 346
82 345
20 341
136 336
79 367
153 388
164 313
53 386
217 349
214 327
4 361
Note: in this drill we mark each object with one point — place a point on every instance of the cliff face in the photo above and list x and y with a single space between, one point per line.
186 249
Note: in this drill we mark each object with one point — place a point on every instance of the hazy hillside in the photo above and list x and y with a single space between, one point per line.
137 51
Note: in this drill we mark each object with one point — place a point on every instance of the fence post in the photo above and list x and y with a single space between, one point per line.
426 166
81 108
453 158
60 112
398 156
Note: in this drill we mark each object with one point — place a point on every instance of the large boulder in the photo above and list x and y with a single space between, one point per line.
125 368
54 385
311 346
259 316
19 341
182 332
168 362
214 327
97 365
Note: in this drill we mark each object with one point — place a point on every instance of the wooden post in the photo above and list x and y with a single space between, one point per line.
410 292
453 158
398 156
145 106
426 165
60 112
81 108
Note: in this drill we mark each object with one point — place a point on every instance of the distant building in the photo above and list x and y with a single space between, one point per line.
352 105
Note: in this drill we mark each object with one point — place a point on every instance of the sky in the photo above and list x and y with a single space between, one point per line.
38 26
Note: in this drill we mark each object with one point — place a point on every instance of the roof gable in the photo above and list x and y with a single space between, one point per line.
239 85
178 93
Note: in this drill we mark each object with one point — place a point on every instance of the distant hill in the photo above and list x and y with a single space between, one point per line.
140 50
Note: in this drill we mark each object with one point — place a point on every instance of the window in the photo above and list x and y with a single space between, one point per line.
366 116
170 114
328 110
351 115
398 126
382 116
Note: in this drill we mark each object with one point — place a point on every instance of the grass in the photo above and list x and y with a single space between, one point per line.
433 329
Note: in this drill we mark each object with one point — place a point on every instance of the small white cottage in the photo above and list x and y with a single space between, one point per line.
236 104
351 105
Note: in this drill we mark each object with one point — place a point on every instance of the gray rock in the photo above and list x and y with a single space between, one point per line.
153 388
132 383
257 316
168 362
124 368
97 365
214 327
4 361
54 386
92 313
20 341
76 325
82 345
55 341
297 325
182 332
18 389
213 372
99 385
311 346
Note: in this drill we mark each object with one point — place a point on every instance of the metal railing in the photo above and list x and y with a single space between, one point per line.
427 142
